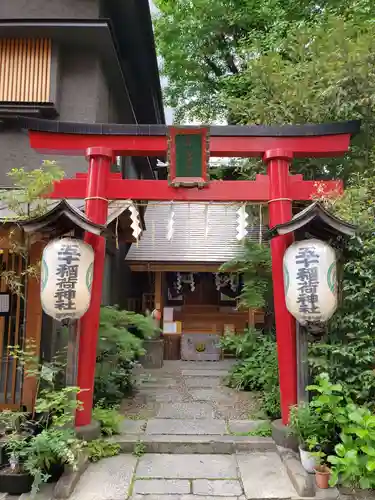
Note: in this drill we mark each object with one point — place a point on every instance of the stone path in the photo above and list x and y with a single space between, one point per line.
195 432
197 384
191 435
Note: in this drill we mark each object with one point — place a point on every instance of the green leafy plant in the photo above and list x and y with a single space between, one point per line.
254 264
241 345
263 429
348 439
121 335
10 421
102 448
109 418
307 426
53 446
35 446
139 449
27 199
258 371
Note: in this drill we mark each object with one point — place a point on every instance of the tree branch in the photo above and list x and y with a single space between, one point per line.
214 67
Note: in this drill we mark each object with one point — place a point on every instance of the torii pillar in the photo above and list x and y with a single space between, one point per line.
280 211
277 145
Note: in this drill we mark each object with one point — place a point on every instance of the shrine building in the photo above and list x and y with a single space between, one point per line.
177 270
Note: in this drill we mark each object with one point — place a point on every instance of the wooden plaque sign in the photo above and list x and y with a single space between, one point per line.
188 156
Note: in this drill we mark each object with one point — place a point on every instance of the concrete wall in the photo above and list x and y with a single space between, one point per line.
83 96
49 9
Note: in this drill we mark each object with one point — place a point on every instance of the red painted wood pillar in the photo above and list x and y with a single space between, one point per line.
280 210
96 209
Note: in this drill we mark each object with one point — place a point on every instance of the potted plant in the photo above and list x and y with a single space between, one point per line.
14 479
154 351
45 455
322 471
11 424
306 425
153 343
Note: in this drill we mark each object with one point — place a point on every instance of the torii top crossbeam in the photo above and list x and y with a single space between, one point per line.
189 149
51 137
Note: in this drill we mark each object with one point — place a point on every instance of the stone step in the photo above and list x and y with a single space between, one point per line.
194 444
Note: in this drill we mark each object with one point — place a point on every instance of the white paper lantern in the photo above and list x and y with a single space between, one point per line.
66 278
310 279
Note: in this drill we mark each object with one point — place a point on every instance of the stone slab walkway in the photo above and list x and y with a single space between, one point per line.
189 390
194 427
186 477
195 432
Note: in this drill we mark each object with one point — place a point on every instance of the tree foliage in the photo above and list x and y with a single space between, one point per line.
254 264
349 351
26 199
202 42
206 42
329 76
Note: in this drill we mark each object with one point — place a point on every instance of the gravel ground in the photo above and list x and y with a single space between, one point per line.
208 387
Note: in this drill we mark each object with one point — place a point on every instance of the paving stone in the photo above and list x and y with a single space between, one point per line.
222 488
156 497
187 466
197 444
330 494
162 486
202 382
108 479
162 382
186 427
244 425
132 426
45 493
185 411
183 497
223 364
303 483
204 373
264 476
211 395
162 395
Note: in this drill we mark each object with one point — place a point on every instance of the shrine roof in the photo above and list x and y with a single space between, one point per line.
190 242
64 215
317 222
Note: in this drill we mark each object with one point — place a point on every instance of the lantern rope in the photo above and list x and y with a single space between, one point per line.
279 199
96 198
116 232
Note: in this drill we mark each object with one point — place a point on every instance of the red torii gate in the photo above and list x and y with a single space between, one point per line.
276 145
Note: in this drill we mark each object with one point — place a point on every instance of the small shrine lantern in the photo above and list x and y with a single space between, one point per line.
310 281
310 276
66 278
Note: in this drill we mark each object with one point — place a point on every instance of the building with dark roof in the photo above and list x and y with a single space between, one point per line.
87 61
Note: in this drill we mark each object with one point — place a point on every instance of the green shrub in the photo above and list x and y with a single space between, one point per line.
241 346
306 425
121 335
102 448
349 435
258 370
109 418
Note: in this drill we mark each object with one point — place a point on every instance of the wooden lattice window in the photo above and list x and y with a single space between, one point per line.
28 76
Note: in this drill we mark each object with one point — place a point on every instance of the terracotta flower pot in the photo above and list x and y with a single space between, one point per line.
322 475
